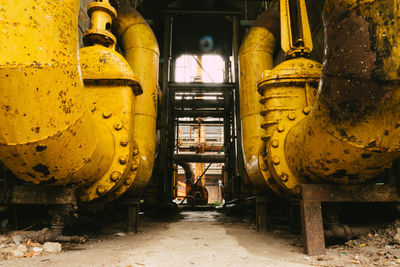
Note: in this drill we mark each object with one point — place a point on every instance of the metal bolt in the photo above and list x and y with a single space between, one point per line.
123 160
297 189
135 151
128 181
124 142
100 190
264 167
118 126
319 66
310 65
275 143
276 160
281 128
106 115
134 167
307 110
284 177
115 175
291 116
93 108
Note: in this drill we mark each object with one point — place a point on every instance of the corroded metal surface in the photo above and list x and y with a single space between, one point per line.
347 193
352 134
314 194
288 94
42 195
312 228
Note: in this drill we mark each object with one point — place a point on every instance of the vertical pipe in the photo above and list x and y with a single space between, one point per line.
165 109
256 55
142 53
237 122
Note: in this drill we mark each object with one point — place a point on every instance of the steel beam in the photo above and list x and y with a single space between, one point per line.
199 103
199 158
314 194
199 113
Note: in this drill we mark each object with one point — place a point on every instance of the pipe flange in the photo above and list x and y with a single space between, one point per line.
131 175
103 6
94 35
275 156
117 173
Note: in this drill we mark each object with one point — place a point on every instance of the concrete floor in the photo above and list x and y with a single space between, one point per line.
197 239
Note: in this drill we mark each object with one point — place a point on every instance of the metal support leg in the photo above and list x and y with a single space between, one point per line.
133 217
261 214
312 228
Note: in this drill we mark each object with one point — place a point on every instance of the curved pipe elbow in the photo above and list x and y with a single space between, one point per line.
352 135
255 56
141 51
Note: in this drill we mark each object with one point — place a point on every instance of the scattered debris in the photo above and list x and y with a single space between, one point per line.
380 247
20 251
52 247
120 234
18 239
17 246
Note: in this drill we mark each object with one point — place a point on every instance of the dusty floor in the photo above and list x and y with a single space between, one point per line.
204 238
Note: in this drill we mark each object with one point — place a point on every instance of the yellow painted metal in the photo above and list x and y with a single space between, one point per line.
110 90
47 133
303 44
255 56
102 15
288 95
142 53
52 130
365 141
305 140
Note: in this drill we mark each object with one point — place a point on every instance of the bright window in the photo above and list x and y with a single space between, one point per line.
205 68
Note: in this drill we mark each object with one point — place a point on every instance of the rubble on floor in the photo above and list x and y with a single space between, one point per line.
380 247
16 246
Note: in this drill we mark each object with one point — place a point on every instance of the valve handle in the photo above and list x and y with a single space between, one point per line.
303 44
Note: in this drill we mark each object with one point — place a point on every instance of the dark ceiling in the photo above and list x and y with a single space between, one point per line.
189 29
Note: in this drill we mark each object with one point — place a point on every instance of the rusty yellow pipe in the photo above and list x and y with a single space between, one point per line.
47 133
353 132
141 51
256 55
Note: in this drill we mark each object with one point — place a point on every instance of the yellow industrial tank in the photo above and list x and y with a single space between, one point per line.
83 119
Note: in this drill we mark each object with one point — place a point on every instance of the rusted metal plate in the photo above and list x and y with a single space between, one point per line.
349 193
312 228
32 194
